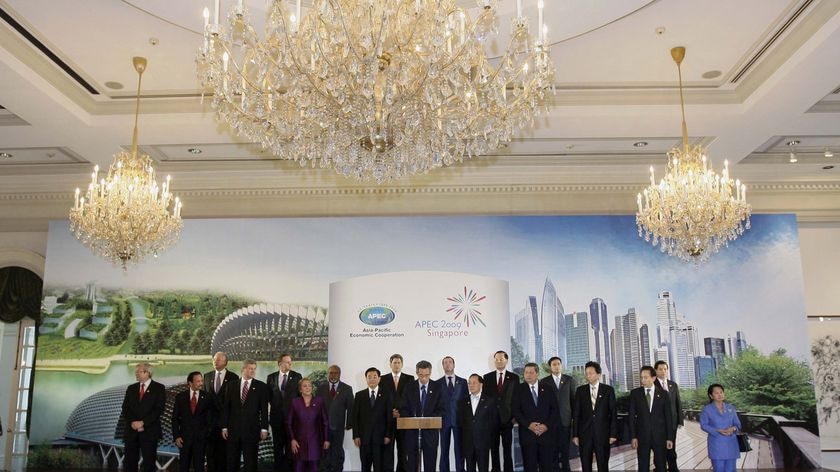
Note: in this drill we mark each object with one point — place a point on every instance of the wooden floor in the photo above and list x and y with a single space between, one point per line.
691 453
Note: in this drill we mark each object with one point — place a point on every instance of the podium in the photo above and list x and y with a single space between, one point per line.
419 423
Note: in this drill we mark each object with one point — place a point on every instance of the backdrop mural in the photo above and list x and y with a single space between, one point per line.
579 287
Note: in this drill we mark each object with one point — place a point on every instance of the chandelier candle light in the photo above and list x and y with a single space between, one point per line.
126 215
693 211
375 89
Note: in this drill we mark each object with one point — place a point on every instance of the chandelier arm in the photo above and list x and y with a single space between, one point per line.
347 32
297 65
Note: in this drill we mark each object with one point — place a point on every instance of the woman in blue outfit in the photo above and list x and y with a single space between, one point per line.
721 422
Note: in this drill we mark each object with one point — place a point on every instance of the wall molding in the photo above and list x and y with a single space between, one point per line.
23 258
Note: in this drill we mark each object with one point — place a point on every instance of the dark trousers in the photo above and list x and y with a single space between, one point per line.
192 455
428 449
602 455
563 441
334 460
143 445
671 455
216 452
537 457
397 443
452 433
306 466
478 460
659 453
249 451
505 434
372 456
282 448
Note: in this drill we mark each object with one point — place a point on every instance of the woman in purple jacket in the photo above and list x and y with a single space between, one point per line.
307 424
720 420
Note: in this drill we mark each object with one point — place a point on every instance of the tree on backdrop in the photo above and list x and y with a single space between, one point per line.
518 358
773 384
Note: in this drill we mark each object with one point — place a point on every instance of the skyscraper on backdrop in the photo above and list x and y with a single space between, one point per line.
601 328
716 349
580 341
644 342
540 328
628 358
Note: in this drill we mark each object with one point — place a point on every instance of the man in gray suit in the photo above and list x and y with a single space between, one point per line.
338 398
663 382
563 388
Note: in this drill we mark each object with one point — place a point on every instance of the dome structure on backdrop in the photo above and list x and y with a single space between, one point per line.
263 331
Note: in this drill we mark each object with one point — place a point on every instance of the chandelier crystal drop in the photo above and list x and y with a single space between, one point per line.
126 216
693 211
375 89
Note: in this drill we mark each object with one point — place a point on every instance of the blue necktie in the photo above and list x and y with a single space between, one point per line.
422 399
534 394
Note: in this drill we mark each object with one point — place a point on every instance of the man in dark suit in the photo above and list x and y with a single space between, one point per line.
535 409
594 420
650 422
499 384
373 422
244 418
478 418
395 384
563 388
453 390
338 398
284 386
141 410
663 382
421 398
216 382
193 414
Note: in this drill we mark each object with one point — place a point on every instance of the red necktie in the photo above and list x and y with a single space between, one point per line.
142 391
332 391
244 395
501 383
193 402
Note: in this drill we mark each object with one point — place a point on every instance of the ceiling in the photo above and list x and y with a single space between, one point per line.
758 74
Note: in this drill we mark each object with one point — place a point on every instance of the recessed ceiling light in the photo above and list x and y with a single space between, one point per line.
828 153
114 85
793 158
793 142
828 167
5 155
712 74
640 144
194 151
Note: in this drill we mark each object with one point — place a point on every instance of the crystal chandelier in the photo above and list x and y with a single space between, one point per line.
375 89
126 216
693 211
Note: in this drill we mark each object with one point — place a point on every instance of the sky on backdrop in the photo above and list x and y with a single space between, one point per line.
757 281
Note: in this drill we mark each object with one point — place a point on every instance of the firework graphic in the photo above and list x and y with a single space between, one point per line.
465 307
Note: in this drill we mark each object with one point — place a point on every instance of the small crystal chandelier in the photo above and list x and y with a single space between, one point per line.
693 211
126 216
375 89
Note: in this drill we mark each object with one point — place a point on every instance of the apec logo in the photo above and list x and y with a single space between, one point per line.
377 315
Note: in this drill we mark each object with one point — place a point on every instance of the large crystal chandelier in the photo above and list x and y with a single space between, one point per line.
376 89
126 215
693 211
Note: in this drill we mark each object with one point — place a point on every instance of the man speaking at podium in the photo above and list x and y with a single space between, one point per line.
422 399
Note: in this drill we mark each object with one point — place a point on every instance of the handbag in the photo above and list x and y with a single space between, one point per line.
743 442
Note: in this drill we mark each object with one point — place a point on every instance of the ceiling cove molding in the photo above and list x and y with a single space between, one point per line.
804 187
797 35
